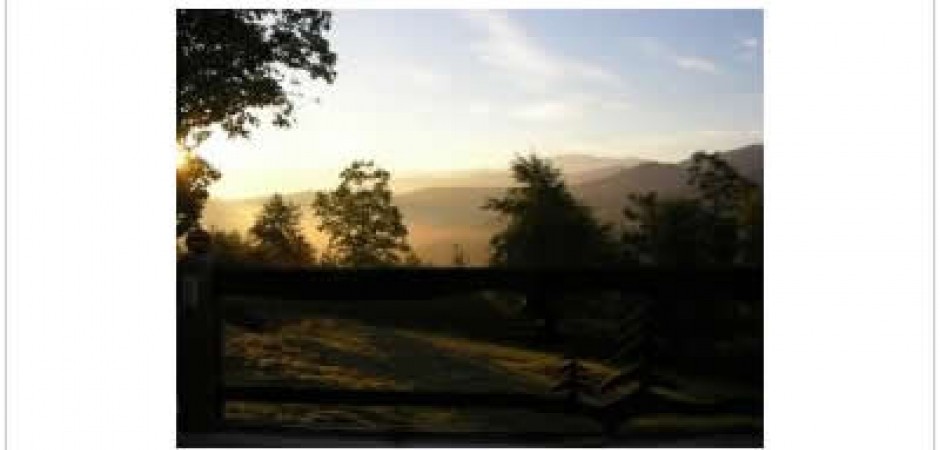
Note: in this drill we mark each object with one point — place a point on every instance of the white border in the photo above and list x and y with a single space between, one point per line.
849 219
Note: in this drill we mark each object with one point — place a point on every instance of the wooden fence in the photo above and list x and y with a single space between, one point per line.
202 288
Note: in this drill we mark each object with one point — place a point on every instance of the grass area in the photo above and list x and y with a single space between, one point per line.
342 353
538 368
334 352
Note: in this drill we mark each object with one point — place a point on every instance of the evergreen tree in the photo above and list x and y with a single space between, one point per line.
277 234
545 225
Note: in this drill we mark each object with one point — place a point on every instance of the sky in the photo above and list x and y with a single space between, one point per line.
421 91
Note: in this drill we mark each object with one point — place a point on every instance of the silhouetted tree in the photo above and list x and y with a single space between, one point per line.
411 259
277 234
365 228
546 226
232 247
752 228
193 178
719 186
232 62
665 233
721 226
725 195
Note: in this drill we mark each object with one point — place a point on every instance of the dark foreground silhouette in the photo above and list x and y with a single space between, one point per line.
225 369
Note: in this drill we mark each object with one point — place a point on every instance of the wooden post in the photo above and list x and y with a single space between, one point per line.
199 339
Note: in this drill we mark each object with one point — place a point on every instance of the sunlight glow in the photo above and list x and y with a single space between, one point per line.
183 157
443 91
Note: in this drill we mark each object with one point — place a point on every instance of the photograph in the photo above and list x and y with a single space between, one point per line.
453 228
469 224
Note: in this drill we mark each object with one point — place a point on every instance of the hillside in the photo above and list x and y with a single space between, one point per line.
607 195
440 215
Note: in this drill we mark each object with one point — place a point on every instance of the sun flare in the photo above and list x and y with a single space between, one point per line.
182 158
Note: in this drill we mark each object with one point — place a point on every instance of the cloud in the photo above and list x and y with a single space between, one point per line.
507 47
750 42
593 73
480 108
570 107
696 64
551 110
616 105
747 48
422 76
658 49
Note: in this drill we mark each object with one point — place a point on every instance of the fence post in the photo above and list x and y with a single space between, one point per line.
199 339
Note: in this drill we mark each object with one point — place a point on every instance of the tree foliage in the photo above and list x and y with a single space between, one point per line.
666 233
546 226
364 227
719 186
277 235
231 63
721 226
193 178
232 247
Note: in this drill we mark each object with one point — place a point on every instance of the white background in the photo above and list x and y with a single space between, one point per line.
849 161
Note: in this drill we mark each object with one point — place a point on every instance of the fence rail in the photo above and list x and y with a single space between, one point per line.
201 287
641 401
413 283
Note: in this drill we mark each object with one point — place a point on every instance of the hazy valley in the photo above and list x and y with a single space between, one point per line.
444 210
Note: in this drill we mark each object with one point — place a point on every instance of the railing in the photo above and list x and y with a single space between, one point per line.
202 391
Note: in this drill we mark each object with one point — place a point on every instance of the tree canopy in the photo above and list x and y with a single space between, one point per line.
666 232
230 63
232 247
718 184
193 177
546 226
721 226
364 227
277 234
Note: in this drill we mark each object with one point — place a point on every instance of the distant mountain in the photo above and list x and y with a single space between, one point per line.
580 164
607 196
466 178
576 169
748 161
441 211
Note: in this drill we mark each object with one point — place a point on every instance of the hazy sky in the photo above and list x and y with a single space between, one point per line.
449 90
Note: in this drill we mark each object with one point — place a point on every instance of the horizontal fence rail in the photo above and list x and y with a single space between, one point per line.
308 395
399 284
641 401
202 286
